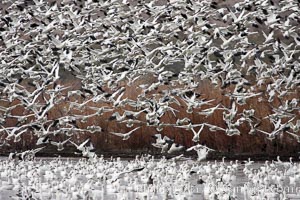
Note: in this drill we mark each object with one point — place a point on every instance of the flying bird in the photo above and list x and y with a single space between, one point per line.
125 136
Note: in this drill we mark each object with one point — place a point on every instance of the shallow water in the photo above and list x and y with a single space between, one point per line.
193 190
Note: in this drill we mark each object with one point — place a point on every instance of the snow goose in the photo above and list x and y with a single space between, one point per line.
60 144
175 148
127 135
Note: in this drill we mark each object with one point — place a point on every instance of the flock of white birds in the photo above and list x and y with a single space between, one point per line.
148 178
247 49
165 49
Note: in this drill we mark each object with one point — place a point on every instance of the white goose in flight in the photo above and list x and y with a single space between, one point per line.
125 136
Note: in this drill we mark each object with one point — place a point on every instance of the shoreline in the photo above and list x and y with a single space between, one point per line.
210 157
